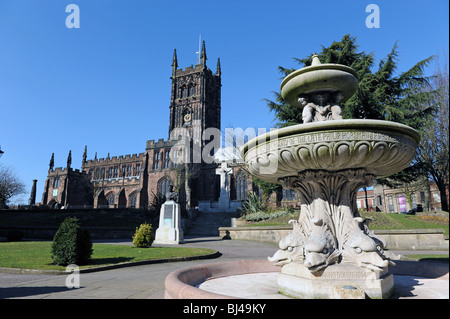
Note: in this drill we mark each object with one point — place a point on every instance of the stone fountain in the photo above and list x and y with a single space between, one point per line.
331 249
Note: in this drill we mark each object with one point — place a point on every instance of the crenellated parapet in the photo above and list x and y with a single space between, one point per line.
115 160
161 143
59 171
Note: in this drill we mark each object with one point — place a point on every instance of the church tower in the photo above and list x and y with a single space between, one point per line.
195 96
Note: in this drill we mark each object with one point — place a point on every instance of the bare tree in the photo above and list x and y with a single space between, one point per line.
434 149
10 185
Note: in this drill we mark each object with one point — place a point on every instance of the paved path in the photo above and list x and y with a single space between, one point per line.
147 281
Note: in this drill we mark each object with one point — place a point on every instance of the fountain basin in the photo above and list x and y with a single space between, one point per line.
382 148
181 283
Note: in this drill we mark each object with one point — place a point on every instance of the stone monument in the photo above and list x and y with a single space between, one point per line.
32 200
224 197
169 230
326 160
224 204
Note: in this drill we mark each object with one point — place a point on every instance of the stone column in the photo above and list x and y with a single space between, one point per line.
224 198
32 199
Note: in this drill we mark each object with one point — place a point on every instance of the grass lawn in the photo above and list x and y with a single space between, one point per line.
36 254
401 221
430 257
380 221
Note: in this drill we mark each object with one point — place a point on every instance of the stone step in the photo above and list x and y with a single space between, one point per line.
207 224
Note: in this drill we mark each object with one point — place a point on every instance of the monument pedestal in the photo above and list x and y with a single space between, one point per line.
338 281
169 231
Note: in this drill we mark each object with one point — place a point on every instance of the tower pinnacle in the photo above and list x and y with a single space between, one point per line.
174 62
203 54
85 154
69 159
218 70
52 162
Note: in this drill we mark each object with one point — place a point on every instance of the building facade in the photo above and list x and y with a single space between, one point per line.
400 200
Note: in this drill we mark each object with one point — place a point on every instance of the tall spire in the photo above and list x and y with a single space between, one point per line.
174 62
203 54
69 159
218 70
85 154
52 162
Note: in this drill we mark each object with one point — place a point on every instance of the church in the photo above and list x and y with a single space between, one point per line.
138 180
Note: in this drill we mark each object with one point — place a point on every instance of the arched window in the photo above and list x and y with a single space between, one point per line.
156 160
241 187
111 172
191 90
97 174
133 199
56 182
110 198
167 159
138 170
184 92
288 194
129 170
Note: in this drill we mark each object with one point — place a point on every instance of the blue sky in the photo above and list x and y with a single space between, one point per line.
107 84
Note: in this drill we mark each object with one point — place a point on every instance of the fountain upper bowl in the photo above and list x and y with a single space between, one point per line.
319 78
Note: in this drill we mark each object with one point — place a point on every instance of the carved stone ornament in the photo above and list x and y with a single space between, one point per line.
330 229
381 147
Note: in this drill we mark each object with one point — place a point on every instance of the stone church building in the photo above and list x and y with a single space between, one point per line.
136 180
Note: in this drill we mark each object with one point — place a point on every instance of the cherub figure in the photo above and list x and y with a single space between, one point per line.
336 111
325 106
309 108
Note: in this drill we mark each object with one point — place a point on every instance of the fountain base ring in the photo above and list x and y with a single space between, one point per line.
295 280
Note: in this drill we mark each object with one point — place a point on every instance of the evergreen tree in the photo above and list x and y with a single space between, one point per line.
380 95
71 244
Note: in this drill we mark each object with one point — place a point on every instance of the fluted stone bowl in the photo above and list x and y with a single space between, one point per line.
319 77
382 148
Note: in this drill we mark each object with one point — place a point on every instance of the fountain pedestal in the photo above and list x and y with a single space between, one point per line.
331 247
344 280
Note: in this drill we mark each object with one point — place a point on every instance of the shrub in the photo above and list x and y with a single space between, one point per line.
253 204
143 237
71 244
259 216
